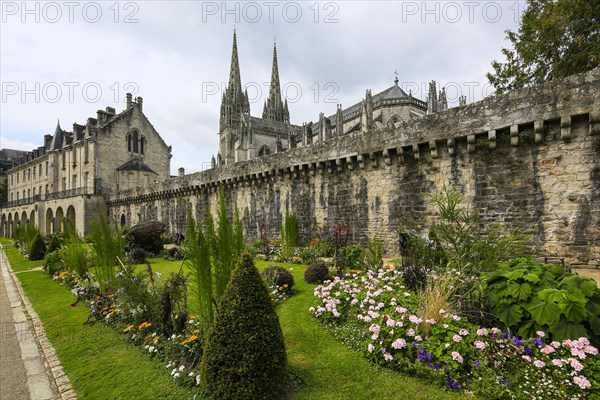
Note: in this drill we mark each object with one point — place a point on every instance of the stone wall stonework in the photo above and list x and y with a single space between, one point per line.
529 159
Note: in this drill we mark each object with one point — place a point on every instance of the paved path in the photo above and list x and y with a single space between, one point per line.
25 372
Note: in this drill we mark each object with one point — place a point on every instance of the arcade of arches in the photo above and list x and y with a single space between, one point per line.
50 221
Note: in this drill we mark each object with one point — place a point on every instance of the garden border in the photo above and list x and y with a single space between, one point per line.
53 369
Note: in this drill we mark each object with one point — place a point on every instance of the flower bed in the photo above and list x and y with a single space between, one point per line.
375 313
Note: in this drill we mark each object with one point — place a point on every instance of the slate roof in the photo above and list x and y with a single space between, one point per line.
135 165
391 95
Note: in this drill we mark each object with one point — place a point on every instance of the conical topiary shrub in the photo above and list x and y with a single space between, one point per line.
244 354
38 248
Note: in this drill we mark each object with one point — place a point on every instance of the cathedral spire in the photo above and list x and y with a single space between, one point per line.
235 81
274 108
234 101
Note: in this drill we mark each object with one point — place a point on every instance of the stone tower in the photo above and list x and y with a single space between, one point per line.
234 106
275 109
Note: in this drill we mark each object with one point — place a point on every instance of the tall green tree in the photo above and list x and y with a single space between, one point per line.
556 38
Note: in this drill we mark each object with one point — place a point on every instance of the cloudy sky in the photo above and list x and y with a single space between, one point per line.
65 60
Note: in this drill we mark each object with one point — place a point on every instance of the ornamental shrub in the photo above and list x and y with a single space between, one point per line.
53 245
244 355
317 272
279 276
528 296
53 263
138 255
38 248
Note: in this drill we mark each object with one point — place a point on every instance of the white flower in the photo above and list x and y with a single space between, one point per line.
197 380
182 367
177 375
158 274
150 349
191 374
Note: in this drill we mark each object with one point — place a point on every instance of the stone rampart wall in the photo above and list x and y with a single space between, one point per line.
529 158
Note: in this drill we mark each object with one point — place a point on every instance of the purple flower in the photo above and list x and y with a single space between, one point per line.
529 350
421 354
436 366
517 342
538 342
428 356
476 363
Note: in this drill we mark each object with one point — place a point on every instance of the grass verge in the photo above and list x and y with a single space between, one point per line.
99 363
18 261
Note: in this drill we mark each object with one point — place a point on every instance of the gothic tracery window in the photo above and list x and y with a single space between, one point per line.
136 142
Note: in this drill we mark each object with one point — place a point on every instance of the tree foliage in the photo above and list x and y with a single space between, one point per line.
556 38
38 248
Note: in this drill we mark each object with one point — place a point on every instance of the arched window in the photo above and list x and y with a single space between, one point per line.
136 142
264 151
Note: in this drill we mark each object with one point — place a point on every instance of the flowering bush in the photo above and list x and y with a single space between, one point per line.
447 347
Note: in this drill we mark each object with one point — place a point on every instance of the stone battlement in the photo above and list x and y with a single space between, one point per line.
529 158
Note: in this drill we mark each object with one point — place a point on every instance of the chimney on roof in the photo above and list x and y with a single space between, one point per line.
47 140
129 100
140 102
181 172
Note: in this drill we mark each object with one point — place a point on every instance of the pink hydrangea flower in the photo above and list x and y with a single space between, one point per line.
539 363
480 345
526 358
398 344
410 332
557 362
576 365
370 348
390 322
482 332
555 344
582 382
457 357
540 333
463 332
374 328
457 338
547 349
388 357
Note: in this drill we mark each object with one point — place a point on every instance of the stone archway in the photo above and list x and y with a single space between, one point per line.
71 217
58 219
49 221
24 219
32 218
123 220
3 226
16 223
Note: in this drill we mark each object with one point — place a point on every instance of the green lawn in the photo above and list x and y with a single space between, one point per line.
98 361
17 260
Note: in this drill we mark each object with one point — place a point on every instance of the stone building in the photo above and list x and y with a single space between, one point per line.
69 175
